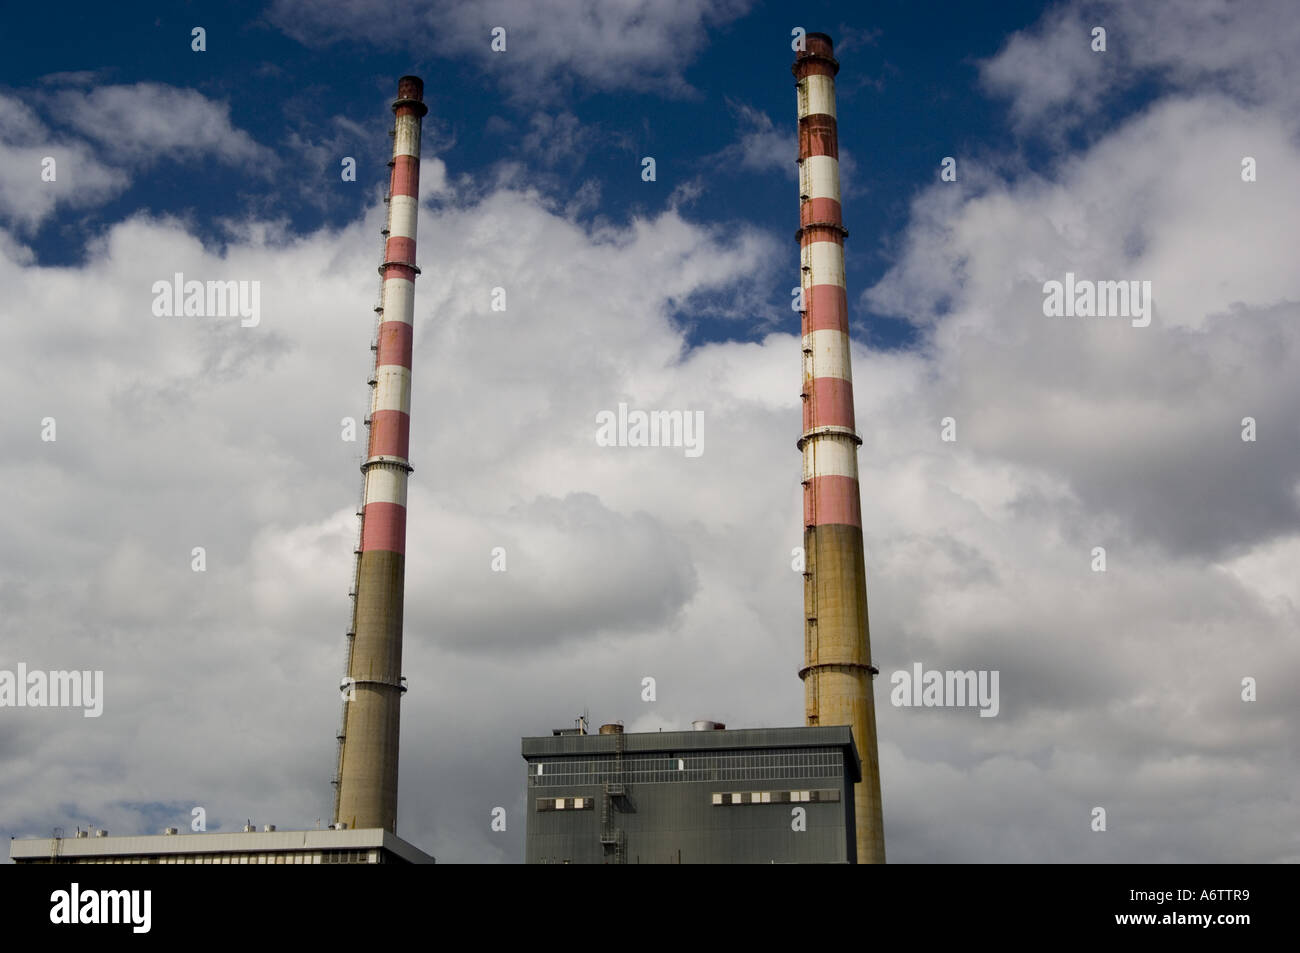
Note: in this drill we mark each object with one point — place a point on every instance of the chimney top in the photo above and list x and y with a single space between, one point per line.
412 87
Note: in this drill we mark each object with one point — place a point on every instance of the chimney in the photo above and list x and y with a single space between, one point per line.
837 672
366 794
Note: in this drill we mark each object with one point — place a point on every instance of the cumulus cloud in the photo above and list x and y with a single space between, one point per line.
638 45
177 433
27 196
761 146
104 136
145 121
1050 72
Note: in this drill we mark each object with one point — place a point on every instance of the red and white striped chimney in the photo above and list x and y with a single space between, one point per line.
366 795
837 672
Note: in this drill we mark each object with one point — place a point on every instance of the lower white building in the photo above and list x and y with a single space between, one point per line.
251 846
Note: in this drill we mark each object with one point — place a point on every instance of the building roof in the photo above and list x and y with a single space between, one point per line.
40 848
835 736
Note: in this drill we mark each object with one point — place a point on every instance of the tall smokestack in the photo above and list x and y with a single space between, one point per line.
366 794
837 672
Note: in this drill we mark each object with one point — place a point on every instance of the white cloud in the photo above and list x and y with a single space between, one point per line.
146 121
108 134
761 145
557 138
637 44
1050 71
80 178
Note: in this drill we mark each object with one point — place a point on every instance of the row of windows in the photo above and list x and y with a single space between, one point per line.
773 764
269 857
776 797
566 803
825 795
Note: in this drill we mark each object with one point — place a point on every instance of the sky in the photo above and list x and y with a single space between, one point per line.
1120 689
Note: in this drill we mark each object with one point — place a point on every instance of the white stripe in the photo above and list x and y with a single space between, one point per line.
386 485
819 177
399 299
830 354
826 259
401 216
830 456
392 388
820 96
407 140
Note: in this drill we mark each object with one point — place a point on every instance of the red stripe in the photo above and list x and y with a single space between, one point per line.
830 403
384 528
394 344
835 500
820 233
399 271
400 249
818 136
808 67
390 434
827 309
406 176
819 210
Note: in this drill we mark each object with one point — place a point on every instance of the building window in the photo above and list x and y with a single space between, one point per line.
824 795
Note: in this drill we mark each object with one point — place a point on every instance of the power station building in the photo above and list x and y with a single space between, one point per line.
708 796
771 795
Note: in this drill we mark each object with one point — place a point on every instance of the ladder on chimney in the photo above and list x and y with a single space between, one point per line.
341 735
811 653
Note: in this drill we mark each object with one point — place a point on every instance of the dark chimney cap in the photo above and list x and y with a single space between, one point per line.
412 87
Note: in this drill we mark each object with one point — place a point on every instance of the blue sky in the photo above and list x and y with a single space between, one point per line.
1120 689
908 96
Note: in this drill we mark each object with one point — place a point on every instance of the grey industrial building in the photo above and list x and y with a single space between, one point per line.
707 796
